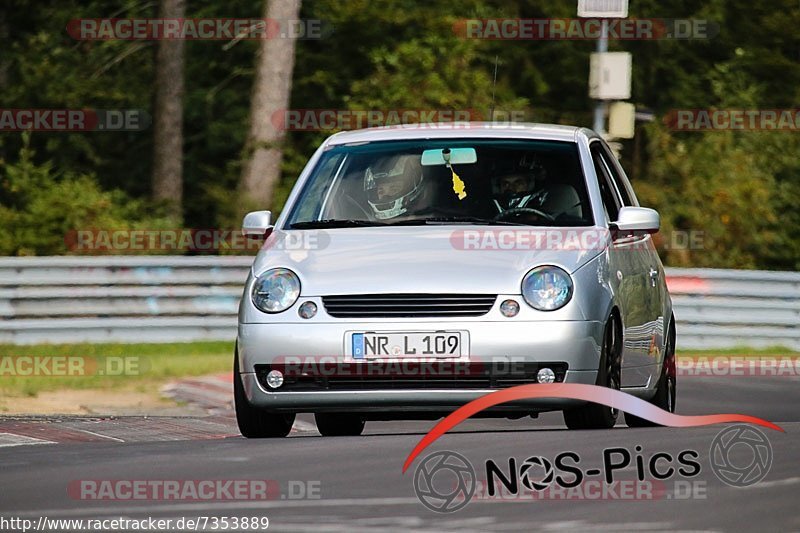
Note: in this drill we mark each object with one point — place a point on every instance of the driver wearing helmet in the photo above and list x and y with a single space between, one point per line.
522 187
392 184
528 192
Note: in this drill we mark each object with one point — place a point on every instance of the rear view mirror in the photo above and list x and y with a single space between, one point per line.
639 219
257 223
453 156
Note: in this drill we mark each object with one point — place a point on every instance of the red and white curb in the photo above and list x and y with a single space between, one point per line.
21 431
10 439
214 394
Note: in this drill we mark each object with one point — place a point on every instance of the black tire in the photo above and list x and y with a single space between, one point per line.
597 416
256 423
339 424
666 388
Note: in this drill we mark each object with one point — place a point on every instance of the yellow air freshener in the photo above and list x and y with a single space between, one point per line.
458 185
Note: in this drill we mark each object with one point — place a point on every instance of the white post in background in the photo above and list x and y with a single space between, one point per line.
609 75
600 108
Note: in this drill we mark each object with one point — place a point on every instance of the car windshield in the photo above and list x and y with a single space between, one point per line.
449 181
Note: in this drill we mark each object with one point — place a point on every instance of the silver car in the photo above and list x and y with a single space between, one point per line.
414 269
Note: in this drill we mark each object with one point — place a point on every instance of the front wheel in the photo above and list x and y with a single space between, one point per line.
666 388
256 423
593 415
339 424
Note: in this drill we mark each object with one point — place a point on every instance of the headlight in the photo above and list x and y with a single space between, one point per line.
275 290
547 288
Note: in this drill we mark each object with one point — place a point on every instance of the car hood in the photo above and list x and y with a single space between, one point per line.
428 259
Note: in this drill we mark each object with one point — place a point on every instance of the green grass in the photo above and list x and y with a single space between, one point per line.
738 352
158 363
149 365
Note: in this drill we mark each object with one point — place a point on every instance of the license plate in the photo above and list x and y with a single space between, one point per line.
438 344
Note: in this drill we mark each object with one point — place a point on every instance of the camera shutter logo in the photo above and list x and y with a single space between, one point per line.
734 440
536 462
456 484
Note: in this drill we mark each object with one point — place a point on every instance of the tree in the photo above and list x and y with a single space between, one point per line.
271 93
739 189
3 39
168 115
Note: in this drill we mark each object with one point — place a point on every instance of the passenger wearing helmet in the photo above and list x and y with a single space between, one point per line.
393 184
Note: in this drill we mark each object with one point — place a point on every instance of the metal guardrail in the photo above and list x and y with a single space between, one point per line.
717 308
174 299
120 299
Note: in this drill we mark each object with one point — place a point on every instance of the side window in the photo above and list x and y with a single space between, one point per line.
609 196
317 187
619 183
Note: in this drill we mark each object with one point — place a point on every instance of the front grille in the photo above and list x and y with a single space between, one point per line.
405 376
408 305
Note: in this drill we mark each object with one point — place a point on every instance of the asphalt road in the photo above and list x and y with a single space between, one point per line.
356 483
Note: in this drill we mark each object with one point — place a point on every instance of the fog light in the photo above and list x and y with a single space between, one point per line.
307 310
545 375
509 308
275 379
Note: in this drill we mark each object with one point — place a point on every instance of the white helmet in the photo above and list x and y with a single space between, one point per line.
392 183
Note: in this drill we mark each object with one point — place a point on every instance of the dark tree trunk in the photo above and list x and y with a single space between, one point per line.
271 91
168 114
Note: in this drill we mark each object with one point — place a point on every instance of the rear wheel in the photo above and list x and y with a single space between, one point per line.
256 423
339 424
666 388
597 416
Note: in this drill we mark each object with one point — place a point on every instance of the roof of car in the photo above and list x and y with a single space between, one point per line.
445 130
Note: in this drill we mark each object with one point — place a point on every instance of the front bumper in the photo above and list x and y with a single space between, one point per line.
573 343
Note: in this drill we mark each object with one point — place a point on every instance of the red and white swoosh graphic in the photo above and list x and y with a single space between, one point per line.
590 393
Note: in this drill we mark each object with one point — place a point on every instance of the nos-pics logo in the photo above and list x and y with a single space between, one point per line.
445 481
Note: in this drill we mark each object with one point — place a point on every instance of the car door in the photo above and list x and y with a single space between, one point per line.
657 291
629 272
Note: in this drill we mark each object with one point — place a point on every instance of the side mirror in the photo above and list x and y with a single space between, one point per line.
637 219
257 223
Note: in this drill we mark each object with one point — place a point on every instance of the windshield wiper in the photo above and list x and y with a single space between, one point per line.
335 223
453 220
424 221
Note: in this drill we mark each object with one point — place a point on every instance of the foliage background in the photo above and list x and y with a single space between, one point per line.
739 188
